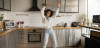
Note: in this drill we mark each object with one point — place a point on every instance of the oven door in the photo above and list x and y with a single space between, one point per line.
34 37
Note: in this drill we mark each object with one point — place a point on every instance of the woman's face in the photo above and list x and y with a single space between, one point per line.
48 14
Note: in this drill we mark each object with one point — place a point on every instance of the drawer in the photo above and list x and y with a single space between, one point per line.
95 33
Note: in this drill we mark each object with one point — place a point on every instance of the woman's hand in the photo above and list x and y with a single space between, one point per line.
46 4
58 4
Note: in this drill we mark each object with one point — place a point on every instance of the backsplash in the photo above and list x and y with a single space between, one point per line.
34 18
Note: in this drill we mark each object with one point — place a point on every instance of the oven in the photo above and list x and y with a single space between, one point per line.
35 38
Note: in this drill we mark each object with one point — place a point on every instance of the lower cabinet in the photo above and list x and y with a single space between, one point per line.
87 42
92 43
66 37
3 41
8 40
95 39
20 39
11 40
74 37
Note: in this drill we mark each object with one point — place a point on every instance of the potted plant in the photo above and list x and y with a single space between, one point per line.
85 19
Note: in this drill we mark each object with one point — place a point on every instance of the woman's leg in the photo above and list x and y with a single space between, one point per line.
53 38
46 35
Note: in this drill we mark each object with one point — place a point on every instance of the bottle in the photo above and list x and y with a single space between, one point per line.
18 24
22 24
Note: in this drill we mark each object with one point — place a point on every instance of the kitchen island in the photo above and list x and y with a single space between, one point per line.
18 37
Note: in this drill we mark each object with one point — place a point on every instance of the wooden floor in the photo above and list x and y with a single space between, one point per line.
72 47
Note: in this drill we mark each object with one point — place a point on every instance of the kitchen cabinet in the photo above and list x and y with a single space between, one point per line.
95 39
20 39
53 4
67 6
74 37
11 40
70 6
87 42
77 38
1 4
66 37
5 5
8 40
3 41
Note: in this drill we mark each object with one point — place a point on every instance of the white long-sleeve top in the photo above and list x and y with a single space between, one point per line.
48 23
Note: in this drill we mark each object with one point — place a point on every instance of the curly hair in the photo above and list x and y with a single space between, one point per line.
47 11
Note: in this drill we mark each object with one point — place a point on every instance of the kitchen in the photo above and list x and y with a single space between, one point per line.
21 23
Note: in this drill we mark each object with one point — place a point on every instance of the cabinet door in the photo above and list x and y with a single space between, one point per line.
20 38
3 41
74 37
77 37
16 38
1 4
11 39
72 6
53 4
7 4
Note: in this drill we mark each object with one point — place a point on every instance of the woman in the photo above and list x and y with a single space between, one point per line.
47 19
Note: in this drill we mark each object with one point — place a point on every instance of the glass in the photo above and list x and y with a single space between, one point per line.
62 9
53 4
1 4
7 4
71 6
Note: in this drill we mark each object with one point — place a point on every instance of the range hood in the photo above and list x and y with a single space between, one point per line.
34 6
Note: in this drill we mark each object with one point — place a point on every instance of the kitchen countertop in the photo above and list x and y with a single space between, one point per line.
10 30
90 27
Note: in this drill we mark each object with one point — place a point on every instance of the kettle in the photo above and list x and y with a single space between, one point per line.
74 24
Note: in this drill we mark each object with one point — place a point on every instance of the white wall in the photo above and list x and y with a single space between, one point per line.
93 8
34 18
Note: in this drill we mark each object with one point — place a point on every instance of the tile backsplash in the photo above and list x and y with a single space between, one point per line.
34 18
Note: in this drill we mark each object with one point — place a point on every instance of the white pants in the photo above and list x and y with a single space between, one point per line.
49 32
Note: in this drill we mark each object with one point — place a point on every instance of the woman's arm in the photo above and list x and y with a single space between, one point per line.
57 11
42 12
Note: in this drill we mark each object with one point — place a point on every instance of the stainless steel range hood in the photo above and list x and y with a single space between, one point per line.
34 6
